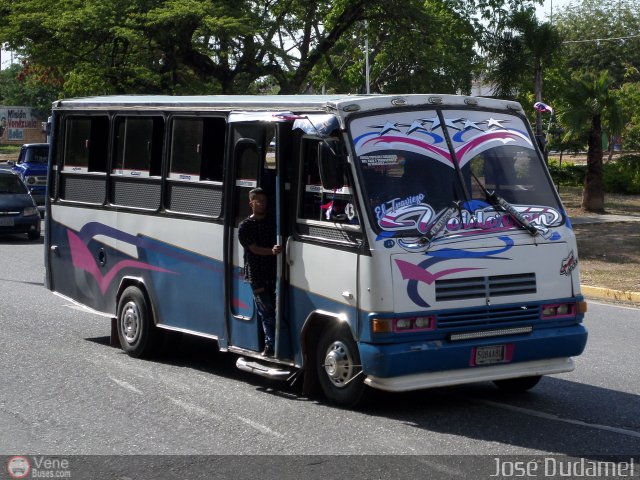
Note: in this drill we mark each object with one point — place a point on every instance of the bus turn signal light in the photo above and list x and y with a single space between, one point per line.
398 325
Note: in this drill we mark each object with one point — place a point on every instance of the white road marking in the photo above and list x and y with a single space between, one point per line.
259 427
125 385
549 416
206 413
190 407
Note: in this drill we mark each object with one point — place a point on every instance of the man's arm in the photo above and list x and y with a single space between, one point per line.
256 250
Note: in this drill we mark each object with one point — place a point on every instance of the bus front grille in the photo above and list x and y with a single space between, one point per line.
489 316
485 287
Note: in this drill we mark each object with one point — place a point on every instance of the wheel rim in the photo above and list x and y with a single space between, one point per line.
130 322
338 364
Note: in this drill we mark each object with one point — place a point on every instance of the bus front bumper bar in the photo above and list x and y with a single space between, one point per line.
447 378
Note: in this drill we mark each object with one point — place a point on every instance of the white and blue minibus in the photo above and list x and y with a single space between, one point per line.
424 244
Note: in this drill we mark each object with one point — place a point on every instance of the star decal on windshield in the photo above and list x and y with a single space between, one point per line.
386 128
492 122
468 125
416 125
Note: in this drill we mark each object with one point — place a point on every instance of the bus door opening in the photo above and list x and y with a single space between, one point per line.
254 165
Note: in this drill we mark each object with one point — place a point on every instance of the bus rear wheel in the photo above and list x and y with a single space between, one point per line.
136 331
338 367
516 385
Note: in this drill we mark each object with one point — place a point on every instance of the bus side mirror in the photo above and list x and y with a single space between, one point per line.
331 164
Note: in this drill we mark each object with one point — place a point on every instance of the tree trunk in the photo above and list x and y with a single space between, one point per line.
593 193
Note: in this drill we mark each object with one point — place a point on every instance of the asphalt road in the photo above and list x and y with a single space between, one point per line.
64 391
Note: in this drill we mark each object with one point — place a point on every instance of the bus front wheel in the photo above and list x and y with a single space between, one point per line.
136 330
338 367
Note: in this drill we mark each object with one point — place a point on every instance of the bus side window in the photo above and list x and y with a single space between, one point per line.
317 203
248 163
186 149
197 148
137 162
84 159
139 146
86 144
213 146
196 156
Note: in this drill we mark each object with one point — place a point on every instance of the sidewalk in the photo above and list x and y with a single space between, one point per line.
600 292
603 218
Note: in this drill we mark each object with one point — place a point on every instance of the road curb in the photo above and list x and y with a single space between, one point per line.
610 294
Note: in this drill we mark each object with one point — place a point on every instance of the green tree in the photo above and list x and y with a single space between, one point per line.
200 46
416 46
22 84
602 35
519 50
629 99
592 106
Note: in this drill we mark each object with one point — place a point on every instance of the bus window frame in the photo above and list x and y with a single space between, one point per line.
348 229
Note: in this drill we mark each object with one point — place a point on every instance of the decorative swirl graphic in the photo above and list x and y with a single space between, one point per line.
415 274
82 258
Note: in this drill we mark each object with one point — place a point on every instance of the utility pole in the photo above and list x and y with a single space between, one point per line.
366 55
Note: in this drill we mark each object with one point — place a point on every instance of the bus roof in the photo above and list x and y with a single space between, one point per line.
342 105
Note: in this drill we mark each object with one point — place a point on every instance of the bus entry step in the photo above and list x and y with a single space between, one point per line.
263 370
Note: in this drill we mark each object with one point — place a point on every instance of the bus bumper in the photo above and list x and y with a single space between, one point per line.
469 375
414 366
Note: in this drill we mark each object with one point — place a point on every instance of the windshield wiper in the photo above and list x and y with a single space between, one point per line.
497 201
439 224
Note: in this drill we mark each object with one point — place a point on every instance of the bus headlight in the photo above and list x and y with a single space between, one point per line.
563 310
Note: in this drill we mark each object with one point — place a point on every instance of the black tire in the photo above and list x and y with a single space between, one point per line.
517 385
137 333
338 367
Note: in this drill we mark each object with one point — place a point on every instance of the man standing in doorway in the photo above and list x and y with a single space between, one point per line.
257 235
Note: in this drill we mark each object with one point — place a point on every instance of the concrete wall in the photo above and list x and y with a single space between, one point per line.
20 125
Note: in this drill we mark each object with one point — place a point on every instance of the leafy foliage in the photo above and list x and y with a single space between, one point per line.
27 85
414 47
239 46
629 100
567 174
519 50
623 175
602 35
591 103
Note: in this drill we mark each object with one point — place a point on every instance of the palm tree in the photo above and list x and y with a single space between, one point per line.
525 48
592 104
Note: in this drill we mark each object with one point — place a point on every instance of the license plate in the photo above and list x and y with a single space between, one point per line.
6 222
490 354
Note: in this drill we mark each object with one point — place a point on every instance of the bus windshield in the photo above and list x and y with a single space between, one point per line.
411 176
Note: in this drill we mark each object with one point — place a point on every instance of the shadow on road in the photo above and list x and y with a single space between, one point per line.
548 418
